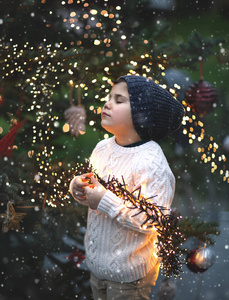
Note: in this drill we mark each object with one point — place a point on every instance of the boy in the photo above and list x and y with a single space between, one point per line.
121 255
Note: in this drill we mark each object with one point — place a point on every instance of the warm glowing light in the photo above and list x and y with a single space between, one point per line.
109 54
104 12
93 11
81 132
30 153
96 42
66 127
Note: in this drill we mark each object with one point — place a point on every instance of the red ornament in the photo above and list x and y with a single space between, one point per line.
76 256
201 96
191 264
200 259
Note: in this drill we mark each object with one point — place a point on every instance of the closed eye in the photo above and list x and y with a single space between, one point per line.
120 99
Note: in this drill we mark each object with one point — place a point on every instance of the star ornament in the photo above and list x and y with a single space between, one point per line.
11 219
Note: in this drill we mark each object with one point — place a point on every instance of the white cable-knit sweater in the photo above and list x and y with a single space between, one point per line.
117 248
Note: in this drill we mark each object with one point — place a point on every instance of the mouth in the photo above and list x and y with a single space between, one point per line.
104 114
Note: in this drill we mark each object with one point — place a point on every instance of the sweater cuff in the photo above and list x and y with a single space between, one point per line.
110 204
70 187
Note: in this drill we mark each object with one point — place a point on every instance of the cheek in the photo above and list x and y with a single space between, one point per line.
123 116
118 113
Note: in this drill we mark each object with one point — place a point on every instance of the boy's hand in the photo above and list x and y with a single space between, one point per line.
94 193
77 187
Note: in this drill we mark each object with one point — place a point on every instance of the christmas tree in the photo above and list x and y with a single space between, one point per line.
57 61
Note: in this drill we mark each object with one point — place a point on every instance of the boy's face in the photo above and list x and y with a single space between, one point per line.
116 113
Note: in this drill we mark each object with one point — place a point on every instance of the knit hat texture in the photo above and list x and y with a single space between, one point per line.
155 112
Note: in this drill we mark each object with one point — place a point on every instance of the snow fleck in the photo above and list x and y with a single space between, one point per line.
5 260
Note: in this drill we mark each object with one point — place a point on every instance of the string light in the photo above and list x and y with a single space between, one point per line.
209 148
36 66
169 235
17 62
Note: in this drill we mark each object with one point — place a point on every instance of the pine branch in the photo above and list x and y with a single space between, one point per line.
203 231
8 191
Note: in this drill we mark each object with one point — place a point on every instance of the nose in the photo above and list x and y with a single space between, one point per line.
107 105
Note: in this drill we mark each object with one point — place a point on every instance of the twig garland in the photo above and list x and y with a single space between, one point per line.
169 235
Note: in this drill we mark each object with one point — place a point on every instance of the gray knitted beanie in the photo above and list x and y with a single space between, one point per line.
155 112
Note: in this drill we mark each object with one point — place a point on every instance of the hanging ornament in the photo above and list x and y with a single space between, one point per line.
223 56
77 257
200 259
76 115
11 219
167 290
201 95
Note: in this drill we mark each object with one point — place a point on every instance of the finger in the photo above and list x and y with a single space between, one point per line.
77 183
81 198
94 181
86 176
79 194
86 189
89 188
81 183
85 203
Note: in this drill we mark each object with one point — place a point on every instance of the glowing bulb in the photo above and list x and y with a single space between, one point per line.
66 127
96 42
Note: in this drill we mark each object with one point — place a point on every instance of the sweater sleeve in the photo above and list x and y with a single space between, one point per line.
114 207
156 180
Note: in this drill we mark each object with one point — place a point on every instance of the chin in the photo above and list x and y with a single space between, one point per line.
107 128
103 124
